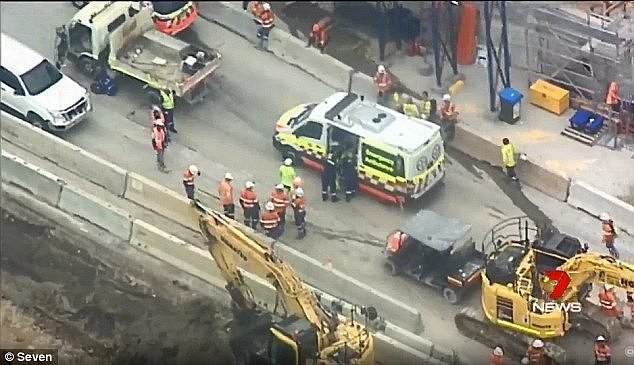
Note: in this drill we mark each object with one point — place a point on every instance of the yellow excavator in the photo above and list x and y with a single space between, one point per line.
515 288
305 333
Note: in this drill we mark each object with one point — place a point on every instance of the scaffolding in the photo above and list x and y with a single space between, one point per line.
498 59
584 52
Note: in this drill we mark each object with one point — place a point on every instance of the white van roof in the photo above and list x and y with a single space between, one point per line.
376 122
16 57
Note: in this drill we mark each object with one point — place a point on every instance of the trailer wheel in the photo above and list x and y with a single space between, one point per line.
390 267
88 66
450 295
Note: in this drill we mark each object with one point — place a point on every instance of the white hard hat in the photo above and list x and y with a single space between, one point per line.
381 69
228 176
249 184
498 351
608 286
538 343
446 97
269 206
604 216
193 169
266 6
299 192
288 162
279 186
600 338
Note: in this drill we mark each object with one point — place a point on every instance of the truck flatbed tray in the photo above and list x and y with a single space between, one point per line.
153 46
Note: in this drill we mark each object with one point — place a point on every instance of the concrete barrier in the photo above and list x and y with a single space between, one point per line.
389 351
594 201
477 147
331 71
161 200
38 182
193 260
548 182
363 84
233 19
96 211
64 154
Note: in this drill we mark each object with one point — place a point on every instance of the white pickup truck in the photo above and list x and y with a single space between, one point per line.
33 89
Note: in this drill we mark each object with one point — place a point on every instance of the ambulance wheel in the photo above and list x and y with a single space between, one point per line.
292 154
391 268
450 295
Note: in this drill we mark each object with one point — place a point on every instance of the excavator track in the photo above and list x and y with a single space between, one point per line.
592 322
472 323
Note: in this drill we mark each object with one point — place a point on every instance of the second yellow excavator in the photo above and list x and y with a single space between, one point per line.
515 288
306 333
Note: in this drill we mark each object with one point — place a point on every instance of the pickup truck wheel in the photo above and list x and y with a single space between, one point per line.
37 121
88 66
391 268
450 295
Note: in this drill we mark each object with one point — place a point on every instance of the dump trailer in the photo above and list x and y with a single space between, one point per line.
121 37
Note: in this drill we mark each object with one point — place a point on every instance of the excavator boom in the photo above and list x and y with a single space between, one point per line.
227 241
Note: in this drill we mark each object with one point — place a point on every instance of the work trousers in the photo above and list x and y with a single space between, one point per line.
189 190
612 250
510 172
230 210
251 217
314 40
328 187
300 223
381 98
169 119
282 216
160 159
449 127
263 34
275 232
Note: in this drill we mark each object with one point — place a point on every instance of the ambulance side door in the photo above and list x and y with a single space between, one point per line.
311 138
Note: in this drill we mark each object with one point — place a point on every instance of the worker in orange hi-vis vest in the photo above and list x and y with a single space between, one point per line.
612 99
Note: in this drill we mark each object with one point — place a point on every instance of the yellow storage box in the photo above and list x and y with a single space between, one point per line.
550 97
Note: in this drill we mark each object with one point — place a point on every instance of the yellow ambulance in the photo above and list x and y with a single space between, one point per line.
399 158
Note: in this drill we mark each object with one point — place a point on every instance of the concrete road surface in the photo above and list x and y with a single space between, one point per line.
233 127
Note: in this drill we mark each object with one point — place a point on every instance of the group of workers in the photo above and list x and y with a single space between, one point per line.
273 219
537 355
405 104
343 165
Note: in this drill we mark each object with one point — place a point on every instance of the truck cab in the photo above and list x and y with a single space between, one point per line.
87 35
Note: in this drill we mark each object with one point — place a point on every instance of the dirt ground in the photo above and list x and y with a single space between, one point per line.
56 296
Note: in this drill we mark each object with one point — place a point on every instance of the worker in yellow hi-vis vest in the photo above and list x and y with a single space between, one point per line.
167 104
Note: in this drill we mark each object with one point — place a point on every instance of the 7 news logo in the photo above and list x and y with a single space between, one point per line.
563 282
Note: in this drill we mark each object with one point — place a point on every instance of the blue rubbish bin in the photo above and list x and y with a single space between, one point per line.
510 101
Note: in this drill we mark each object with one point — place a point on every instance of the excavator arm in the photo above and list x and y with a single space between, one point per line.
226 240
588 268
